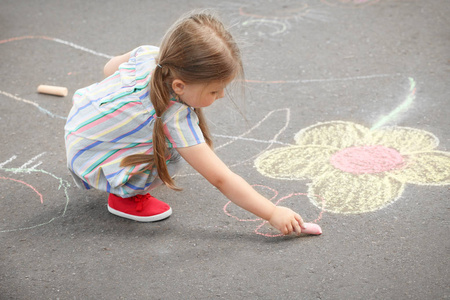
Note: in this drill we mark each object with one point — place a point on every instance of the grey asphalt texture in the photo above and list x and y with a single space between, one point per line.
318 60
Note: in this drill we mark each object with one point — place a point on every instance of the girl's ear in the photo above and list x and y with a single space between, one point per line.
178 86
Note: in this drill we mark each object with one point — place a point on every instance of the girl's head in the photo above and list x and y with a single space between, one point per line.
198 49
198 57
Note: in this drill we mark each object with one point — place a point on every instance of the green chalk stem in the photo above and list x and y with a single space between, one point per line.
401 108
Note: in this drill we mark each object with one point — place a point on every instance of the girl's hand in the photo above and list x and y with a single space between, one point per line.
206 162
286 220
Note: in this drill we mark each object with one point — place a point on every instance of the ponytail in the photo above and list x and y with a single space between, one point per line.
196 49
160 96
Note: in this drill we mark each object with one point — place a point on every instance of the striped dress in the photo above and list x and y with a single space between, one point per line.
113 119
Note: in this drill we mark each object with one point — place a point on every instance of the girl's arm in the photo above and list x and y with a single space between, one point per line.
206 162
113 65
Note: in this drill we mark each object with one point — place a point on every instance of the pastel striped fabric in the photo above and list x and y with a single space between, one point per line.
113 119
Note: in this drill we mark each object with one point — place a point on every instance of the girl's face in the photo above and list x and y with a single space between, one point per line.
199 95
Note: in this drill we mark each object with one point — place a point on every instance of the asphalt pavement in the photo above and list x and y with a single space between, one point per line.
336 71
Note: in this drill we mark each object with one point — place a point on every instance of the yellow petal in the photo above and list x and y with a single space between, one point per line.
428 168
337 134
404 140
346 193
295 162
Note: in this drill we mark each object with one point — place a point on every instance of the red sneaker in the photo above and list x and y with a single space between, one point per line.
141 208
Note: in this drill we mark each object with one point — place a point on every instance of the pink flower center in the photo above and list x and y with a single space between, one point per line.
367 159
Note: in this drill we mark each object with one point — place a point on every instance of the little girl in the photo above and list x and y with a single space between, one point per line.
128 133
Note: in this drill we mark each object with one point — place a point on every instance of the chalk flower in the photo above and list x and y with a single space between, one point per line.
356 169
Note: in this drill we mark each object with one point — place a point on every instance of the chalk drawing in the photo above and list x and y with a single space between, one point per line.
26 184
56 40
272 141
287 117
271 20
279 27
356 169
31 161
41 109
235 138
277 20
355 3
286 112
405 105
259 229
24 169
320 80
279 12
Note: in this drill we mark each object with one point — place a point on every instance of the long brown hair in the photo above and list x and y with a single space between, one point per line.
196 49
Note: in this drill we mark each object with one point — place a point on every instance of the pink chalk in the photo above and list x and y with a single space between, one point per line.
312 228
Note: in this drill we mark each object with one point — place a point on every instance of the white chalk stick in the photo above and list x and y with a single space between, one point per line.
312 228
52 90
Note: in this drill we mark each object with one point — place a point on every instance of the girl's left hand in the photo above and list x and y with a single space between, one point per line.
286 220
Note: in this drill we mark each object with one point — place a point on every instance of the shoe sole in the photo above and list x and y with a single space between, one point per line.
154 218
